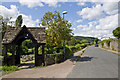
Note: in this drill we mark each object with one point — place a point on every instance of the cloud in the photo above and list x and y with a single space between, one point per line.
34 3
81 26
96 0
110 7
81 3
79 21
14 12
91 13
99 28
109 22
31 3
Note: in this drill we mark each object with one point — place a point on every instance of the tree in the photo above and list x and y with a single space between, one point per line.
116 32
96 40
3 23
57 30
19 21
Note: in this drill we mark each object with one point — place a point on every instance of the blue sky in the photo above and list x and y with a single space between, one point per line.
96 19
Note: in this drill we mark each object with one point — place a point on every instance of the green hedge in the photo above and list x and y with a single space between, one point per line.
59 57
9 68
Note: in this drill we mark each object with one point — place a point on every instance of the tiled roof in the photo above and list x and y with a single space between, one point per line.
38 34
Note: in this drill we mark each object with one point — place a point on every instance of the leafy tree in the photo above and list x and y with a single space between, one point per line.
19 21
96 40
3 23
116 32
57 30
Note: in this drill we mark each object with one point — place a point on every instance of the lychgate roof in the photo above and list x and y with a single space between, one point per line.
38 34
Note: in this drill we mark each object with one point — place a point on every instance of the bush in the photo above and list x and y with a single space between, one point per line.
59 57
9 68
9 54
108 42
68 52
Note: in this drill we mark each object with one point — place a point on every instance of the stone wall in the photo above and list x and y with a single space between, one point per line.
49 59
114 45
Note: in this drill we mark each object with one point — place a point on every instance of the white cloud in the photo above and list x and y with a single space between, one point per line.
110 7
79 21
14 12
81 3
91 13
109 22
97 0
34 3
81 26
31 3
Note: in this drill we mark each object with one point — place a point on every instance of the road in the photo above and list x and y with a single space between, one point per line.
96 63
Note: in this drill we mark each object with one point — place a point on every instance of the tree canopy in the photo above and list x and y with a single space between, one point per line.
3 23
96 40
19 21
57 29
116 32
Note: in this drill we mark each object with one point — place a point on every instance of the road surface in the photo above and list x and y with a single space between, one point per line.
96 63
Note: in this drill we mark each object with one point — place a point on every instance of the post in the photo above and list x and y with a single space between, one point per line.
13 54
36 54
18 54
5 54
65 12
43 55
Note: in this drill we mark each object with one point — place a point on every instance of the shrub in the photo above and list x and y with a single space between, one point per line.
68 52
9 54
9 68
59 57
102 44
108 42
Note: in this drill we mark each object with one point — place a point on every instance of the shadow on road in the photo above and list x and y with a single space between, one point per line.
85 58
26 66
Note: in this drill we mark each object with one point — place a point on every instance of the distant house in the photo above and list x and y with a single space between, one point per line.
105 38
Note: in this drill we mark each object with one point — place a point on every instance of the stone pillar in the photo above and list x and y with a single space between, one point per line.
18 55
5 54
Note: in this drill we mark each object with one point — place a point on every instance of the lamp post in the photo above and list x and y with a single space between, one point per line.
64 12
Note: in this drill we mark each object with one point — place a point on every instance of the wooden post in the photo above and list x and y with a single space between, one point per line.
36 54
43 55
13 54
5 54
18 54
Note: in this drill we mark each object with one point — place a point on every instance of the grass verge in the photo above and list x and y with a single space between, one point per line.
8 69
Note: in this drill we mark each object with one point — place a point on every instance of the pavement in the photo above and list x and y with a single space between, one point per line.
54 71
96 63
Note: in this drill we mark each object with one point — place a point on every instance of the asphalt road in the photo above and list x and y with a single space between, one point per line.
96 63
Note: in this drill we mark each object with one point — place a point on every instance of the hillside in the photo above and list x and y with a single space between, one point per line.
91 39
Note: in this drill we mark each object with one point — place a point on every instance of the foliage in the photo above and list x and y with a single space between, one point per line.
96 40
73 42
19 21
27 47
108 42
9 54
3 23
59 57
57 30
80 38
9 68
116 32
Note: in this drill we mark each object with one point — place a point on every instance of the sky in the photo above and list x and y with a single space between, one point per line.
88 18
